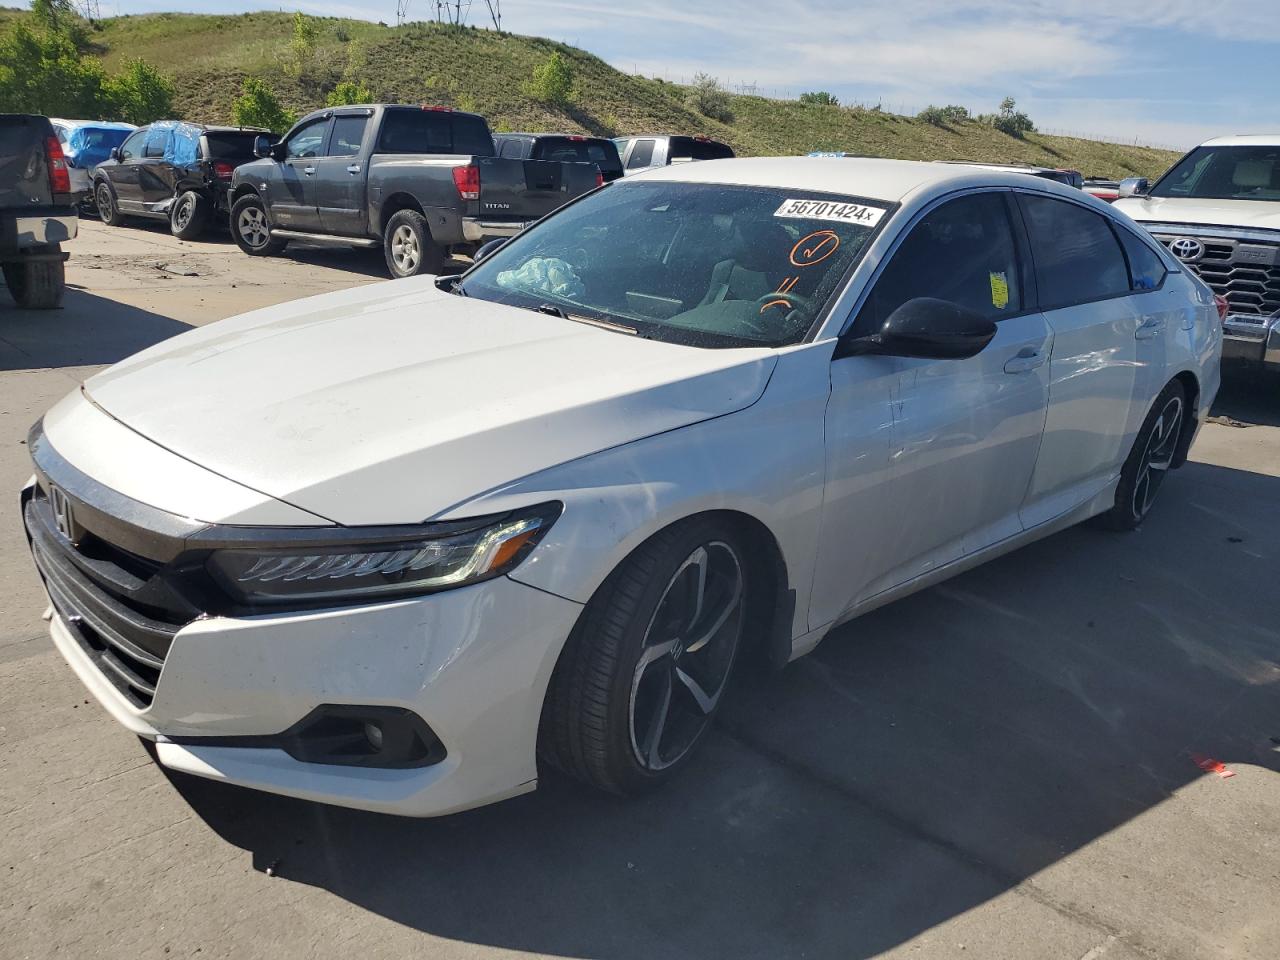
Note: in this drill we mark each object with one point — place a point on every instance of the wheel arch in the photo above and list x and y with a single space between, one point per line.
396 202
243 190
1191 388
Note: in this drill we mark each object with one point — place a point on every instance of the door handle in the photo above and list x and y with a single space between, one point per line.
1149 327
1026 360
308 170
353 168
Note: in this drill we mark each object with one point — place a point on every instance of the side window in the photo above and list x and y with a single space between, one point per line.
307 141
641 154
512 149
131 149
1077 257
963 252
155 144
348 134
1146 271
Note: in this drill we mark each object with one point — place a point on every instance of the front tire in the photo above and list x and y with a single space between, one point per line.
408 247
104 198
36 284
1150 459
189 216
647 664
251 228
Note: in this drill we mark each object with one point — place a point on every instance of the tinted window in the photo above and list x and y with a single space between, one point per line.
962 252
131 149
233 146
348 134
1077 257
641 154
308 140
690 148
155 143
1146 271
512 149
434 131
580 150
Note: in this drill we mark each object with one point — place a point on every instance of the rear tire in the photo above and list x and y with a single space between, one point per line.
251 228
1149 461
36 284
643 673
189 215
408 247
104 198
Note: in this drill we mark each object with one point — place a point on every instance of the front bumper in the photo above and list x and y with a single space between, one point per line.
473 663
1252 340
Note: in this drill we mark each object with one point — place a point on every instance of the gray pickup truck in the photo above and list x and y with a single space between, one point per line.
37 210
417 181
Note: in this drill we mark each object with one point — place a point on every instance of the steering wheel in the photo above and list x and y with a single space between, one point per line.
791 302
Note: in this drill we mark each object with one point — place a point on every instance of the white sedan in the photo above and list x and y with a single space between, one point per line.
389 547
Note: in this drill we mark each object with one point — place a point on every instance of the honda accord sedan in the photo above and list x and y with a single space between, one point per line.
392 548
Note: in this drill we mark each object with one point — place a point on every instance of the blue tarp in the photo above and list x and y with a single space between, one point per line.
90 144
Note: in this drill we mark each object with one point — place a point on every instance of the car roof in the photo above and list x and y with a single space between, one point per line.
96 124
579 136
889 180
1245 140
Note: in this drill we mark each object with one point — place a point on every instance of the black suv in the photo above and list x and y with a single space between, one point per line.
566 147
176 171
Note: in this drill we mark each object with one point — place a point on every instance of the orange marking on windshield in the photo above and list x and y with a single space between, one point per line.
814 248
775 303
787 284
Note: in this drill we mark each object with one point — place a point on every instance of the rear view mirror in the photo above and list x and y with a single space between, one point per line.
261 147
1134 187
927 328
488 249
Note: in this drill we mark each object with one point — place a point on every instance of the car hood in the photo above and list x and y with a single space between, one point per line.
394 402
1254 214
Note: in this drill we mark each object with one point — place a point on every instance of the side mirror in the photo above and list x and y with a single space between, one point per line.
926 328
261 147
488 249
115 154
1134 187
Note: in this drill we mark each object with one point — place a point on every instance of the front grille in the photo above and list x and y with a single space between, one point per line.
113 602
1233 269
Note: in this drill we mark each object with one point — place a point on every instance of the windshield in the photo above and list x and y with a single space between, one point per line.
1224 173
706 264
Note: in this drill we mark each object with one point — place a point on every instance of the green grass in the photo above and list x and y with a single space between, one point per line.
208 56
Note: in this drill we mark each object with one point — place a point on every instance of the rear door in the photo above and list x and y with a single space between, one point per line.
156 174
293 201
340 176
1109 343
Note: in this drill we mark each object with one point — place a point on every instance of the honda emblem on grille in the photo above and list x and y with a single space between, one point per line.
62 517
1187 248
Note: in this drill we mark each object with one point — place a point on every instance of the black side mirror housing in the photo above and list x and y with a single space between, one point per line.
1134 187
115 154
488 249
926 328
261 147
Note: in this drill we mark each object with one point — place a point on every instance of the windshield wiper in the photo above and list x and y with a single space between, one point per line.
551 310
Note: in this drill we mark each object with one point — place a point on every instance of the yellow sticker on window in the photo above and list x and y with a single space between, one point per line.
999 290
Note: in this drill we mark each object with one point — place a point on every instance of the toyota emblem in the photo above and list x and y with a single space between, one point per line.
1187 248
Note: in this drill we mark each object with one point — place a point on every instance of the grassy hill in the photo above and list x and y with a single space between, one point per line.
484 71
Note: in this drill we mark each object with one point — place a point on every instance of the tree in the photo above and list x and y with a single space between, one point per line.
1009 120
140 94
819 98
302 47
707 97
553 80
43 72
257 106
943 116
348 91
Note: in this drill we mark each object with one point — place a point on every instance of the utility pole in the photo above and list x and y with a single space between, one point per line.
495 13
402 12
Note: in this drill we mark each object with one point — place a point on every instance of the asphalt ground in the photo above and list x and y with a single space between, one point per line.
999 767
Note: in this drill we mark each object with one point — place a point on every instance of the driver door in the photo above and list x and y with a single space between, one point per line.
929 460
293 200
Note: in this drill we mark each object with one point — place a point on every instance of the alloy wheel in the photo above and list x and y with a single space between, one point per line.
103 196
687 653
253 227
1157 457
405 250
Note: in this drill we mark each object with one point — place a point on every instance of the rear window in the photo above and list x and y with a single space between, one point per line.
585 150
233 145
434 131
688 148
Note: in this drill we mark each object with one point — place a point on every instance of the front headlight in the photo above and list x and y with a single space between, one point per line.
433 557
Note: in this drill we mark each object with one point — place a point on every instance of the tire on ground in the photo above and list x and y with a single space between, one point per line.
407 246
104 196
36 284
585 729
1124 514
255 242
189 215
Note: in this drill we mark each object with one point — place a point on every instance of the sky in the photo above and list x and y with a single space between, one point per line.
1171 73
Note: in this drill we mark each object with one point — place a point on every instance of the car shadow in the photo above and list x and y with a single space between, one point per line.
1247 397
924 759
87 330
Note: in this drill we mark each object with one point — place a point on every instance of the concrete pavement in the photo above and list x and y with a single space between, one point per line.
999 767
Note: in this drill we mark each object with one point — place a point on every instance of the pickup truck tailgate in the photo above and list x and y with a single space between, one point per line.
526 190
24 175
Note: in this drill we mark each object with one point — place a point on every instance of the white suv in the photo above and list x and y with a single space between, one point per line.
1218 211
